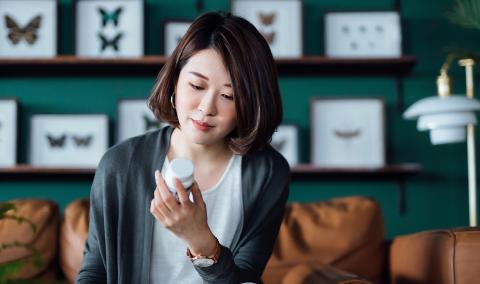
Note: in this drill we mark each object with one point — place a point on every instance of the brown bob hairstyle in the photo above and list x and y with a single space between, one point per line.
251 67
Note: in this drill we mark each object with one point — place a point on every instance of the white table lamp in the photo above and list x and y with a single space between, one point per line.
450 118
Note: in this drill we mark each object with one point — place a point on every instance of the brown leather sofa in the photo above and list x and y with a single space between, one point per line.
336 241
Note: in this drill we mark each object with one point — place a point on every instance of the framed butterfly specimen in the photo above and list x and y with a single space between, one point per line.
286 141
28 28
68 140
363 34
8 131
173 31
109 28
279 21
348 132
134 118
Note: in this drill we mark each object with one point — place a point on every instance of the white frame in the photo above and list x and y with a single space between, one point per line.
129 30
348 132
282 22
23 13
8 132
67 152
130 118
288 135
363 34
172 30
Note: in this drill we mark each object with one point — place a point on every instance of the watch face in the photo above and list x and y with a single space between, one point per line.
203 262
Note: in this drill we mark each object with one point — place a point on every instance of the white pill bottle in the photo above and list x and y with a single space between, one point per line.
181 169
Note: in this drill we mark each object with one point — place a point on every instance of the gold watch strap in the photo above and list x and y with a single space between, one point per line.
215 256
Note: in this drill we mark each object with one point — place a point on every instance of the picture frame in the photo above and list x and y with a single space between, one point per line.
348 132
134 118
173 31
9 108
109 28
29 28
68 140
286 141
279 21
363 34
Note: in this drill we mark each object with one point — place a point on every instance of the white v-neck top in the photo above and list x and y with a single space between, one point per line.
169 263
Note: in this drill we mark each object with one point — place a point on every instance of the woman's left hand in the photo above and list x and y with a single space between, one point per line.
186 219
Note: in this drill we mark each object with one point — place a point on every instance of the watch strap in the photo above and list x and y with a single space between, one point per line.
215 256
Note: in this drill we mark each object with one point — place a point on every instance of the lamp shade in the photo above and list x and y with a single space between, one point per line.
445 117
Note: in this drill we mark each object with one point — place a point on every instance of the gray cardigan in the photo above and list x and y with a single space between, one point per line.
119 243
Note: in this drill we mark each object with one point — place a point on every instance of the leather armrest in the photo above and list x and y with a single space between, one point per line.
438 256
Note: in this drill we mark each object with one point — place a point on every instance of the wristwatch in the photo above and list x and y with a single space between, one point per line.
203 260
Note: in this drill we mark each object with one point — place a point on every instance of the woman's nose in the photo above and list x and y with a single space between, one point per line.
207 104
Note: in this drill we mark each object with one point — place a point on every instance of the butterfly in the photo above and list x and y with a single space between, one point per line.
56 142
110 42
112 16
269 37
29 32
347 134
82 141
149 123
266 18
278 145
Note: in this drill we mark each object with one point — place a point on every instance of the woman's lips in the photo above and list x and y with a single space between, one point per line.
201 125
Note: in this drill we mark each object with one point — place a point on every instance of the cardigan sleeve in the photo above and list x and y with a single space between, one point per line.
257 242
93 268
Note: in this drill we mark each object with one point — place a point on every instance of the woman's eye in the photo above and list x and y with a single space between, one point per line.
198 88
227 97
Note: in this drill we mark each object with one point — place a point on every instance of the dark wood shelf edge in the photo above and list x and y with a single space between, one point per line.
298 172
394 171
150 65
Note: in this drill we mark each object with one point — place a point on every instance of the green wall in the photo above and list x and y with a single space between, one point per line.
437 198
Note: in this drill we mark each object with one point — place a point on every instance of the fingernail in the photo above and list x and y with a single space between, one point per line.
157 176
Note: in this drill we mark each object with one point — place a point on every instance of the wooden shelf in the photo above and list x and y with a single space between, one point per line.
151 65
299 172
395 171
27 172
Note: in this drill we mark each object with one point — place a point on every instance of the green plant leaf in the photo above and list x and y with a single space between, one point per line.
9 269
466 14
4 207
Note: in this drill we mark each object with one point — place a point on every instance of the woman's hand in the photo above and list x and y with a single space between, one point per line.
186 219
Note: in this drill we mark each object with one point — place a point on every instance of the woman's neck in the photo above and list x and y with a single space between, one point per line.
199 154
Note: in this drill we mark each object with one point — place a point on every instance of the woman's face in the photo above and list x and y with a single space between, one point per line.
204 99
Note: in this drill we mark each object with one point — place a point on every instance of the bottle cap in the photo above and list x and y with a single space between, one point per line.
182 169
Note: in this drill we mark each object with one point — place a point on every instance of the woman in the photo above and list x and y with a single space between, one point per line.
219 93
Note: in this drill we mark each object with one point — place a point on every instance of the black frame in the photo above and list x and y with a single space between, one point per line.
312 121
324 19
59 18
32 116
16 101
74 25
302 22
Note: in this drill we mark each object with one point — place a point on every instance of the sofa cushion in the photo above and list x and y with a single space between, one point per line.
438 256
347 233
73 234
46 217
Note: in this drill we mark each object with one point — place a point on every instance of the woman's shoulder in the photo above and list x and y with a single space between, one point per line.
267 162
